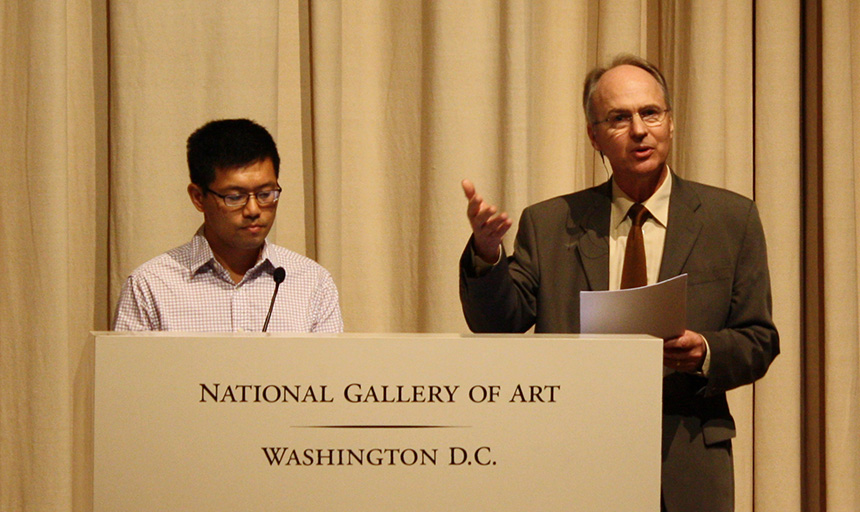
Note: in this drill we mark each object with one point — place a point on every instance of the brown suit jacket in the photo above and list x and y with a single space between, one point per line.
713 235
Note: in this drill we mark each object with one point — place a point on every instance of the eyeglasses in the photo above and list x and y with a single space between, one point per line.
263 197
651 116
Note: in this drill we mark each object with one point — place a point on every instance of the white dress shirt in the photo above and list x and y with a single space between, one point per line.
653 230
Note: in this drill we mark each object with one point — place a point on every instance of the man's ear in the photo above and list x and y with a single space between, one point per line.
590 129
196 195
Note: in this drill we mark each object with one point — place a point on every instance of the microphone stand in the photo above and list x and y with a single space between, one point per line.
278 275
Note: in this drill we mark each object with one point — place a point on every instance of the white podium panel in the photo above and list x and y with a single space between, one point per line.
377 422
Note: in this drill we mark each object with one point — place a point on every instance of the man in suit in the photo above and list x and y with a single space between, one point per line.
578 241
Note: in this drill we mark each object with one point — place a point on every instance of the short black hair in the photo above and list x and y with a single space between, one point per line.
228 144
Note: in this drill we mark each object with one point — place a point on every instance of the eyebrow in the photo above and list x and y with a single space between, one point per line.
242 190
650 105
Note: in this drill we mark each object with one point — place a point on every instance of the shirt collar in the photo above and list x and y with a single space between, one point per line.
268 259
202 255
657 204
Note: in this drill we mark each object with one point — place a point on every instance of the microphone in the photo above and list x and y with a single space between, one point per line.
278 275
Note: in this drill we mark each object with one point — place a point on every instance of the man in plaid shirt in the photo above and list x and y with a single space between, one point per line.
222 280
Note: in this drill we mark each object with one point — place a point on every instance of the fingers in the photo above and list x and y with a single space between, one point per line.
482 214
478 211
468 188
684 353
488 225
493 228
484 217
488 237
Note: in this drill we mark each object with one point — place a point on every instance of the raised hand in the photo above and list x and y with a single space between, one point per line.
488 225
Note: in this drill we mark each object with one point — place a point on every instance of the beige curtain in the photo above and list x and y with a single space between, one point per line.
380 108
777 181
840 228
48 252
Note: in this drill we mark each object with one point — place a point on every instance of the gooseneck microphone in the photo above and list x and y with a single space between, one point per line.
278 275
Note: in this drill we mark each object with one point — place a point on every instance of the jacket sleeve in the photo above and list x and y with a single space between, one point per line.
503 298
743 349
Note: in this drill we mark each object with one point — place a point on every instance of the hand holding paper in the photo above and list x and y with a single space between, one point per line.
685 353
659 310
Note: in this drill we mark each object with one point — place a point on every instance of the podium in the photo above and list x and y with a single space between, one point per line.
361 422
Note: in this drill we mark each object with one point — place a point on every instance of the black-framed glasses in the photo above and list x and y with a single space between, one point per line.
622 120
263 197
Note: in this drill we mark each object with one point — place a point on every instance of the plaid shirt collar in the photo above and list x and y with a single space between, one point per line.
201 258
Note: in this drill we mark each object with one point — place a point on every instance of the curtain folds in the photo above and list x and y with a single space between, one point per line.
840 182
380 108
47 257
777 186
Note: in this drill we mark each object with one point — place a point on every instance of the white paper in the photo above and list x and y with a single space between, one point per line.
659 310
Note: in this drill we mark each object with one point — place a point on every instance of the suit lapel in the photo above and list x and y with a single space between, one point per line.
589 232
683 229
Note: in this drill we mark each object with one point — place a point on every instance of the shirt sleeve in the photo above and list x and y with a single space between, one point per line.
135 309
481 267
327 307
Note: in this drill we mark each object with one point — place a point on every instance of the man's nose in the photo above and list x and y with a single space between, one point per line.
252 207
638 128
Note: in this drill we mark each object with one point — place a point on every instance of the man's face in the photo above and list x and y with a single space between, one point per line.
638 151
234 231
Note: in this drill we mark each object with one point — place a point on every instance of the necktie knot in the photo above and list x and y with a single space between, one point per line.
638 214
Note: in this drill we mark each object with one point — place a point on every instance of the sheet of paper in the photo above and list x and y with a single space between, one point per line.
659 310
